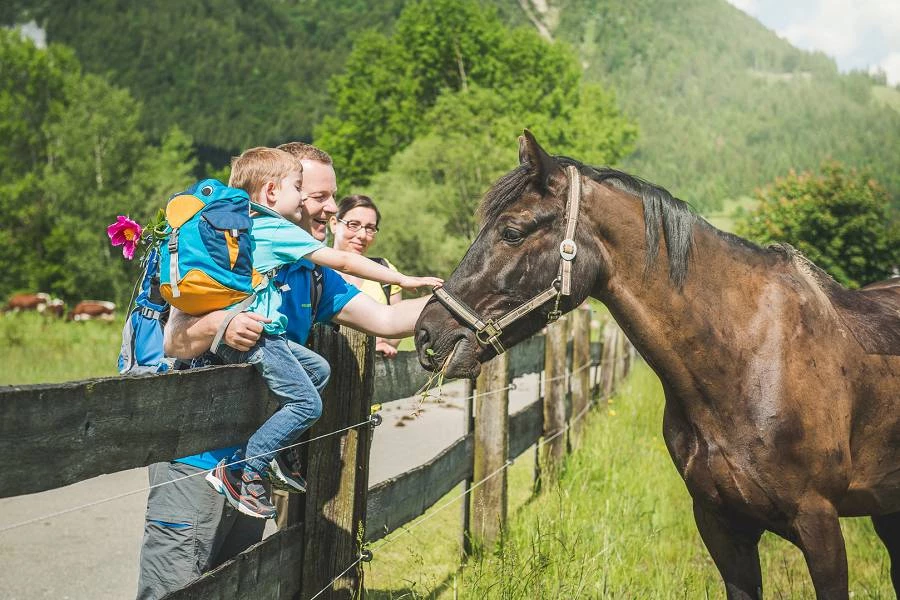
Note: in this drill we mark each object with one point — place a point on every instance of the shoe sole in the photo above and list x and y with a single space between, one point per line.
219 485
281 482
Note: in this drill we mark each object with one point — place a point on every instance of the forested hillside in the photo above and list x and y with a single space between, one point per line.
419 102
723 105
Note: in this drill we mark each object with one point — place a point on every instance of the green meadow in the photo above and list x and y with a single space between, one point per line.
38 349
617 525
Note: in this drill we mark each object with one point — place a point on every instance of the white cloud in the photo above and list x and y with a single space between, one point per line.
890 64
858 34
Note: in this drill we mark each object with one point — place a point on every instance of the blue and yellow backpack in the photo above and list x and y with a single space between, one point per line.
206 262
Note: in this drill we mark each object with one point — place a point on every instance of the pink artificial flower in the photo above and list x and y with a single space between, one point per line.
126 233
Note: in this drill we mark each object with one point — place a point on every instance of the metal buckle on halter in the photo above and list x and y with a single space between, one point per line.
490 334
568 249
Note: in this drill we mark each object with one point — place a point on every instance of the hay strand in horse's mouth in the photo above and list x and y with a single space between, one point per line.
436 376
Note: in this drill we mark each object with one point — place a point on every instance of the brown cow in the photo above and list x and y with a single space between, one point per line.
93 309
21 302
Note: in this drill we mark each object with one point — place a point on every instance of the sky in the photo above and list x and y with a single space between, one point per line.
858 34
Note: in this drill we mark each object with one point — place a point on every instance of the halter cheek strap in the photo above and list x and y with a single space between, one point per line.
489 332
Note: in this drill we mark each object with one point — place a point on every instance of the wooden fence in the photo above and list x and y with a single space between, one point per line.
55 435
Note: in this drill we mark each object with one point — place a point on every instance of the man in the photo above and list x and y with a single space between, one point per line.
189 527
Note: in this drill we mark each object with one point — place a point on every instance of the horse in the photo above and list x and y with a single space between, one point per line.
782 388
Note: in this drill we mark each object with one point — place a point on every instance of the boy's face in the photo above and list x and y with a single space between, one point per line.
287 199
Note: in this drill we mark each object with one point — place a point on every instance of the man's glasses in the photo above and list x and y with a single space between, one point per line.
355 226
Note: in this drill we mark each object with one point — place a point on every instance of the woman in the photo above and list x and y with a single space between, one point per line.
354 227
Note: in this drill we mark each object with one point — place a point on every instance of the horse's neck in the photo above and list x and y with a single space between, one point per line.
676 329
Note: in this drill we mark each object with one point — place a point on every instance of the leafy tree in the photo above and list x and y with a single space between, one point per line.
469 142
840 219
80 161
439 47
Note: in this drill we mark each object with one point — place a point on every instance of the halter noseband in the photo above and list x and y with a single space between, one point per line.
489 332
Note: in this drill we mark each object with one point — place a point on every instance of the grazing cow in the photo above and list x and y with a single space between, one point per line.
21 302
56 308
93 309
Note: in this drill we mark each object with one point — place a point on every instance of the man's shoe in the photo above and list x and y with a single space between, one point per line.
284 477
243 489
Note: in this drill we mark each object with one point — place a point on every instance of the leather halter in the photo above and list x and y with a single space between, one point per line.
489 332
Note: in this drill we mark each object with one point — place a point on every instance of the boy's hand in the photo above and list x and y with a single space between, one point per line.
244 330
411 283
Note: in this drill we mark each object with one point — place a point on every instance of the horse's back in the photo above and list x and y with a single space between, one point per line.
872 314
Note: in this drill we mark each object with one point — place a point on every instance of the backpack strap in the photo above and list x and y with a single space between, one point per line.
316 283
235 311
173 263
385 287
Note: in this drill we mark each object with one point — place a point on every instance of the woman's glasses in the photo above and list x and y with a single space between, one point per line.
355 226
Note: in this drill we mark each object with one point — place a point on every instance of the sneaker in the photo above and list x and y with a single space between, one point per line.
243 489
284 477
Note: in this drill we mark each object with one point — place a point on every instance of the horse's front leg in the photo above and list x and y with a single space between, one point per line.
816 530
733 546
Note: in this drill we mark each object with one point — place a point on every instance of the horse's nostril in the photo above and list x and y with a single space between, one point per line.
422 338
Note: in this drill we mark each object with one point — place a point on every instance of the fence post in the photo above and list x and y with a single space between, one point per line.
581 360
338 467
466 516
609 358
491 451
555 379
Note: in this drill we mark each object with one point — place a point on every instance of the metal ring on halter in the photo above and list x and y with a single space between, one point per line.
568 249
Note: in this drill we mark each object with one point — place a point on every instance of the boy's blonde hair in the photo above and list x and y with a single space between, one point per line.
257 166
304 151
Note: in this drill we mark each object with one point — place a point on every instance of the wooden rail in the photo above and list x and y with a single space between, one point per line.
54 435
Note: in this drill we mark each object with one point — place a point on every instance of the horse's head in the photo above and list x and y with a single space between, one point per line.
514 270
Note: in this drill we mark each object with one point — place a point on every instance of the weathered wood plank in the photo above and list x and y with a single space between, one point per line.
489 503
398 377
581 360
54 435
525 428
526 357
555 391
269 570
401 499
338 468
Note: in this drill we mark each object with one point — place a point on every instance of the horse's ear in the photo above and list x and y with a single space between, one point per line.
539 163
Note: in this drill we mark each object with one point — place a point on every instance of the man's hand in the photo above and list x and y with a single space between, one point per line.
244 330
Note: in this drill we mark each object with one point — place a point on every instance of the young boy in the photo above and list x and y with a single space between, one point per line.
273 179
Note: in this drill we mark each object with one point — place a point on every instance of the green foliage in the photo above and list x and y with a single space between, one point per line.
841 220
384 97
722 103
80 161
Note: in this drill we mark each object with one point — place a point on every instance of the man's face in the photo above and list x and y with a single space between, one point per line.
318 190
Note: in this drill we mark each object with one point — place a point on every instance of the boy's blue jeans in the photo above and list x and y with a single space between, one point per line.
295 374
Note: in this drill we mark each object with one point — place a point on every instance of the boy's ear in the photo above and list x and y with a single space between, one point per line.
268 193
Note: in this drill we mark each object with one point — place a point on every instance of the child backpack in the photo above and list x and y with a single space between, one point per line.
206 261
142 335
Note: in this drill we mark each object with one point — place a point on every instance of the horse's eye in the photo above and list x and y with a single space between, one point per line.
512 236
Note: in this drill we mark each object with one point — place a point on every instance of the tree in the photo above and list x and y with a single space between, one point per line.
439 47
840 219
75 158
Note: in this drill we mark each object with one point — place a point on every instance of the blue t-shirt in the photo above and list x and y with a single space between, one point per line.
276 243
297 307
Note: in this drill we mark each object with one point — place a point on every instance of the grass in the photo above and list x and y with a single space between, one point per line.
617 525
37 349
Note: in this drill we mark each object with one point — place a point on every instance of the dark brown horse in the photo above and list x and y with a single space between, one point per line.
782 387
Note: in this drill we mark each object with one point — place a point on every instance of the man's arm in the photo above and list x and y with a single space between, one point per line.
187 337
391 321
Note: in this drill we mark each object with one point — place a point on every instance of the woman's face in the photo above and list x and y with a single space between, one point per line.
354 241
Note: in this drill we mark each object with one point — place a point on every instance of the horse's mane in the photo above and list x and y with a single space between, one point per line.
660 208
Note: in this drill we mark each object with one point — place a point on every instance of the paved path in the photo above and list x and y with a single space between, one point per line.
92 553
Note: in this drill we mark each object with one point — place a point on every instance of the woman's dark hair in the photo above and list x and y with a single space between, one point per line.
348 203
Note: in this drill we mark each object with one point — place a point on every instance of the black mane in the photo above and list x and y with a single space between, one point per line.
660 207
